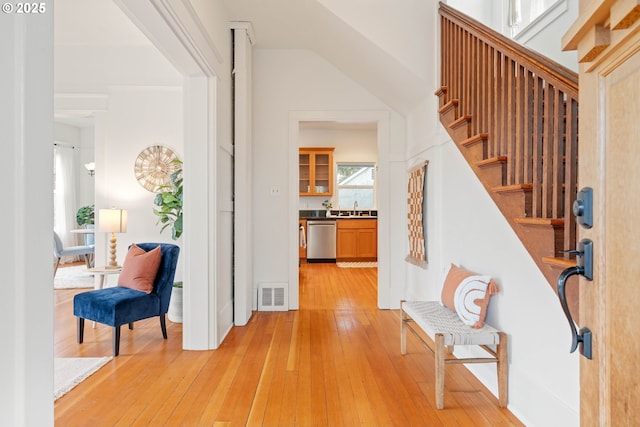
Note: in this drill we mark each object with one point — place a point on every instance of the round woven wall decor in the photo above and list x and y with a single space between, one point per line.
154 166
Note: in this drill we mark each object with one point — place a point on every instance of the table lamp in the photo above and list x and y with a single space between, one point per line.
112 221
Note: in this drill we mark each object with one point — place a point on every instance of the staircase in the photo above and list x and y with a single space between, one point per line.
514 116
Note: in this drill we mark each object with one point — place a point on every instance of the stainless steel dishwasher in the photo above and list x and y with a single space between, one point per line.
321 240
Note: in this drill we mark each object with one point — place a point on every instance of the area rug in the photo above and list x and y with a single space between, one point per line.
357 264
73 277
71 371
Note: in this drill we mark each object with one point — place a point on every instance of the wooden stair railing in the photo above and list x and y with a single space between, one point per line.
513 113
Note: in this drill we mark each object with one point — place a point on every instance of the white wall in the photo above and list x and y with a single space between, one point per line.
88 69
397 27
491 13
86 182
142 106
136 118
465 227
351 145
544 35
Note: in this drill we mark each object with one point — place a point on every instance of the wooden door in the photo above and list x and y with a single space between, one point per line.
620 233
608 41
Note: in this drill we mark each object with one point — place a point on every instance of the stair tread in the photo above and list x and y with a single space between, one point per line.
555 222
441 91
449 105
461 120
492 161
513 188
475 138
559 262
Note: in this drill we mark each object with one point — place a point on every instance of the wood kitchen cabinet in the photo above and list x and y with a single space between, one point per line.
316 171
357 240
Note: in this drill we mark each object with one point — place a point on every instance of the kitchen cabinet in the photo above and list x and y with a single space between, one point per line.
316 171
357 240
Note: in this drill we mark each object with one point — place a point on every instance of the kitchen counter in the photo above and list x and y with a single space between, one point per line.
335 214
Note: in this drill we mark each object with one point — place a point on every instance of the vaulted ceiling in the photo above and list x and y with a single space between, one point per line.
388 51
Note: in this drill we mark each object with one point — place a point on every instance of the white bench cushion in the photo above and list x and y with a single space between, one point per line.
433 318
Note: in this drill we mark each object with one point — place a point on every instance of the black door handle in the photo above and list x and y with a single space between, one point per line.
584 268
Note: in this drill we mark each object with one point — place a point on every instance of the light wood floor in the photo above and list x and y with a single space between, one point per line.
334 362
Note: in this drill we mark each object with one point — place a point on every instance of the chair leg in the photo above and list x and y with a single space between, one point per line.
403 330
55 269
80 330
116 340
163 325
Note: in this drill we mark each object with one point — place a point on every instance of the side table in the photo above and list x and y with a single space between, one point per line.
101 272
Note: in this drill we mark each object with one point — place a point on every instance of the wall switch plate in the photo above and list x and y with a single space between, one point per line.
275 190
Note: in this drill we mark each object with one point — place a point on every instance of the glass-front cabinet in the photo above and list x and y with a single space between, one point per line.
316 171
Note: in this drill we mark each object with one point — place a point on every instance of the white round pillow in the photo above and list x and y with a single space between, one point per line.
470 290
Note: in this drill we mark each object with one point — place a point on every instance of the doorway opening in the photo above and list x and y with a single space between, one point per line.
357 138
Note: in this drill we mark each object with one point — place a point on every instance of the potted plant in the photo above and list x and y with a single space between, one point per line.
327 205
175 303
85 217
169 203
169 212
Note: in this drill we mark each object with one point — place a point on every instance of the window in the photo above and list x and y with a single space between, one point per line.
356 183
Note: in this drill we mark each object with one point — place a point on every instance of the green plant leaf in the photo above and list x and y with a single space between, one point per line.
169 203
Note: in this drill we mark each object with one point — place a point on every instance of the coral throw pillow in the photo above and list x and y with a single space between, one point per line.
140 268
467 294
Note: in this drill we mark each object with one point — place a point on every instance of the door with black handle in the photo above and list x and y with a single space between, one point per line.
583 210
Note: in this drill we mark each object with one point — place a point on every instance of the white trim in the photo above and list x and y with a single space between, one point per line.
186 25
246 26
175 30
243 176
199 322
27 303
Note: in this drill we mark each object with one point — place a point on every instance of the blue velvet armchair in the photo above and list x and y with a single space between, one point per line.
117 306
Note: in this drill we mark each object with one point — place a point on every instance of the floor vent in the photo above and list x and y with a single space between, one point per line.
273 297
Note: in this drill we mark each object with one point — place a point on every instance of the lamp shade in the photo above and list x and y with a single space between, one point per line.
112 220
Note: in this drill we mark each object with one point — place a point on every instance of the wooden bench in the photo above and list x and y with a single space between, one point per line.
446 330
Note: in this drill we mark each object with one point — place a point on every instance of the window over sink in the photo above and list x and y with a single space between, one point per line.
356 183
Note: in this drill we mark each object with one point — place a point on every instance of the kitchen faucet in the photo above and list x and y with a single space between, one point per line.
355 206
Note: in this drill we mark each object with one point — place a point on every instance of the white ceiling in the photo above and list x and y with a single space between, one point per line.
308 24
91 23
277 24
94 22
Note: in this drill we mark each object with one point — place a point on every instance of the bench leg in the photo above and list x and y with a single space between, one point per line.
439 356
403 330
503 372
